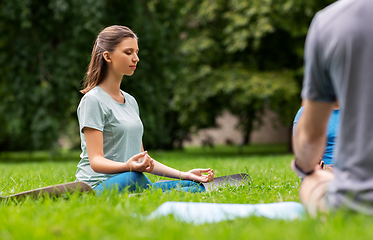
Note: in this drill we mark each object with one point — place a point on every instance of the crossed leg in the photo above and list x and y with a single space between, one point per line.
135 181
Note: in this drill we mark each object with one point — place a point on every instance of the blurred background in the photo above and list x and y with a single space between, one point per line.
211 71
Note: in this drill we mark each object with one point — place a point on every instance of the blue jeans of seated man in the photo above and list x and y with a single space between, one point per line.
134 181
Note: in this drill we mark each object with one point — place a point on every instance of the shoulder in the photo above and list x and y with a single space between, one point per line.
93 98
333 14
93 94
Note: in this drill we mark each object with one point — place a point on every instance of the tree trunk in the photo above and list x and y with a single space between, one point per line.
246 138
247 133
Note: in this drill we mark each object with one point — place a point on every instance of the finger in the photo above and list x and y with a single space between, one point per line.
204 170
138 156
151 167
146 162
205 179
210 176
151 162
148 169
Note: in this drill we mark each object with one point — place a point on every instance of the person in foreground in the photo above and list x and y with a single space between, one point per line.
338 66
110 126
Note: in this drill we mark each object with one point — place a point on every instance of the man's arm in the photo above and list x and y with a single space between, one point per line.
309 140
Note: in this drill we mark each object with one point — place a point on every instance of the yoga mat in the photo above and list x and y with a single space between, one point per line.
200 213
229 180
55 190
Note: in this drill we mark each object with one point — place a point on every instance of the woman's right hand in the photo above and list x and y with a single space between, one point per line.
146 165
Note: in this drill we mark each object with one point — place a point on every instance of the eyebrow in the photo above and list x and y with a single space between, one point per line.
126 49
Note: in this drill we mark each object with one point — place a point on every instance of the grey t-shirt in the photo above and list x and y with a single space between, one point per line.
121 127
339 65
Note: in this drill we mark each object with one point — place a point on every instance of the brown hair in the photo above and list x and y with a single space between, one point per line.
107 40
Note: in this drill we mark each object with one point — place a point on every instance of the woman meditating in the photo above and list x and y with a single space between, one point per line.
111 130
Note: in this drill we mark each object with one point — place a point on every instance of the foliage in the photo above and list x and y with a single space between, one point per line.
244 56
44 51
197 59
41 67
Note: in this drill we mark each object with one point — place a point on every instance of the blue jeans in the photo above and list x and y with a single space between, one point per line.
135 181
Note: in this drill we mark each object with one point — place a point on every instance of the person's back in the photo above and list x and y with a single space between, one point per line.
341 51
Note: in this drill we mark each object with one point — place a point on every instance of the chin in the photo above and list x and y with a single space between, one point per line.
128 74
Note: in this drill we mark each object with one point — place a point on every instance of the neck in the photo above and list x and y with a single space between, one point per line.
111 83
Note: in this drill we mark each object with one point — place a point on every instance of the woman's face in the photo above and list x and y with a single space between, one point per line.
125 57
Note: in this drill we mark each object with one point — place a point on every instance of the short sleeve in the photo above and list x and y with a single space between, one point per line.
317 85
91 113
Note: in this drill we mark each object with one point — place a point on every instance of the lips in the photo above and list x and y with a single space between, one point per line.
133 67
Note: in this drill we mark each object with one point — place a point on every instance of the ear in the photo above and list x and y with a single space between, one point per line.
106 56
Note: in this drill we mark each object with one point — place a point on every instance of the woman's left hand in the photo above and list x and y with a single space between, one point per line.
196 175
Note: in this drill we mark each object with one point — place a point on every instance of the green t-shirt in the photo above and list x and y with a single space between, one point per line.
121 127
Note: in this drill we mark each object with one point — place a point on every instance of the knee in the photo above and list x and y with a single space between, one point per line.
197 188
139 180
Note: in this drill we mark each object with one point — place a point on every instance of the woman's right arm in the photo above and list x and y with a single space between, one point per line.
95 148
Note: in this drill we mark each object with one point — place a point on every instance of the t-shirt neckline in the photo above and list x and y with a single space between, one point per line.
107 94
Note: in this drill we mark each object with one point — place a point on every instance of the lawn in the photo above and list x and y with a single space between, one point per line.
120 216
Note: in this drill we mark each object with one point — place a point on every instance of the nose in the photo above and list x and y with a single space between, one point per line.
136 58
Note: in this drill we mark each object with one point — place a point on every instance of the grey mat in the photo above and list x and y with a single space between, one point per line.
52 191
229 180
224 181
71 187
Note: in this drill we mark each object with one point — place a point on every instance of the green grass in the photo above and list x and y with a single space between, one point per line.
112 216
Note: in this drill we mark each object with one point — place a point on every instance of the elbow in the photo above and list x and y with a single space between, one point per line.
94 164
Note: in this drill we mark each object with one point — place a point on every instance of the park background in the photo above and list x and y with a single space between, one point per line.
199 60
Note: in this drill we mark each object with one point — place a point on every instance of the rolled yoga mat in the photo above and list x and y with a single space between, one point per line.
200 213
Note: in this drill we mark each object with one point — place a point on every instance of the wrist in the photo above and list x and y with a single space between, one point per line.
126 167
183 175
299 171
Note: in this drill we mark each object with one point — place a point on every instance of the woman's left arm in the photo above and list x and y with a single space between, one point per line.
194 174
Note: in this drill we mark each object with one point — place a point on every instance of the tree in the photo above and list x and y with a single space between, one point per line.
197 59
41 67
242 56
44 51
